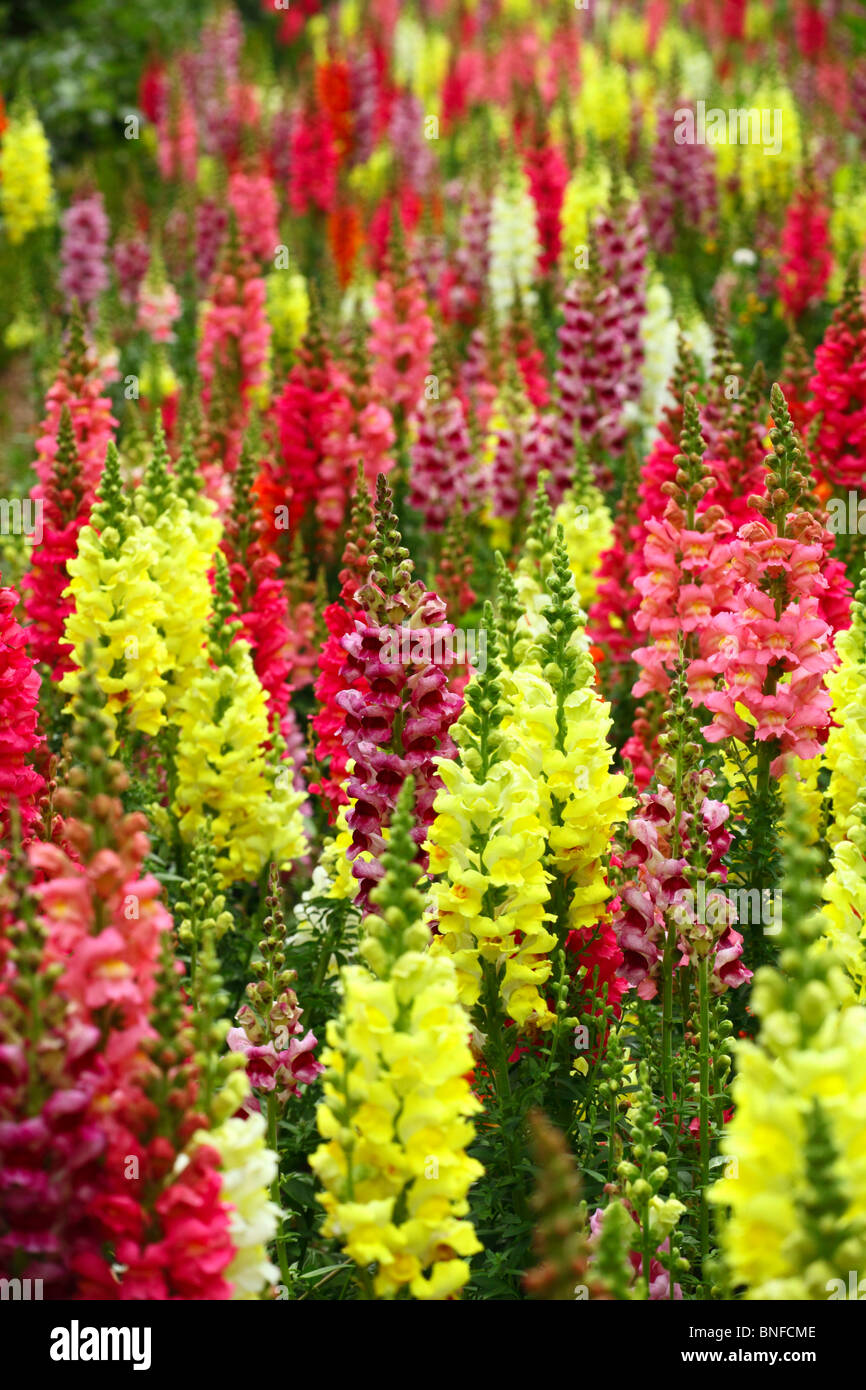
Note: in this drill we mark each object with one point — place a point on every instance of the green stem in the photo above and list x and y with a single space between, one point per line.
704 1107
276 1194
668 1017
502 1081
611 1142
647 1244
331 942
670 945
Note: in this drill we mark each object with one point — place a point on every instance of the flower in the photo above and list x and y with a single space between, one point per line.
234 341
838 388
26 195
513 242
305 413
254 203
488 842
115 598
20 783
288 304
395 699
395 1119
158 304
547 172
183 537
845 749
226 776
441 458
247 1168
401 335
806 257
84 274
313 183
800 1099
131 255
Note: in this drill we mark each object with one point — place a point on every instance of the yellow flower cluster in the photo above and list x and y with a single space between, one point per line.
528 808
142 594
847 225
225 775
335 858
288 309
588 529
143 605
766 1239
157 379
680 56
349 18
845 899
768 163
370 179
395 1117
629 36
795 1142
26 196
845 750
489 842
805 787
560 724
603 107
563 745
119 611
759 20
587 193
183 537
420 60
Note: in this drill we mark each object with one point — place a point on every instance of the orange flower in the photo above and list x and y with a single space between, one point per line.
344 236
332 92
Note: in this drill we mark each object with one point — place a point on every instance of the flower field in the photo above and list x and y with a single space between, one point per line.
433 652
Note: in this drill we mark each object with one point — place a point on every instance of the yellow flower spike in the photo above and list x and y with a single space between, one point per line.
845 751
119 610
396 1110
225 775
420 61
560 727
604 102
288 303
184 538
370 179
586 195
767 164
795 1142
26 194
588 528
845 890
493 887
629 36
349 18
